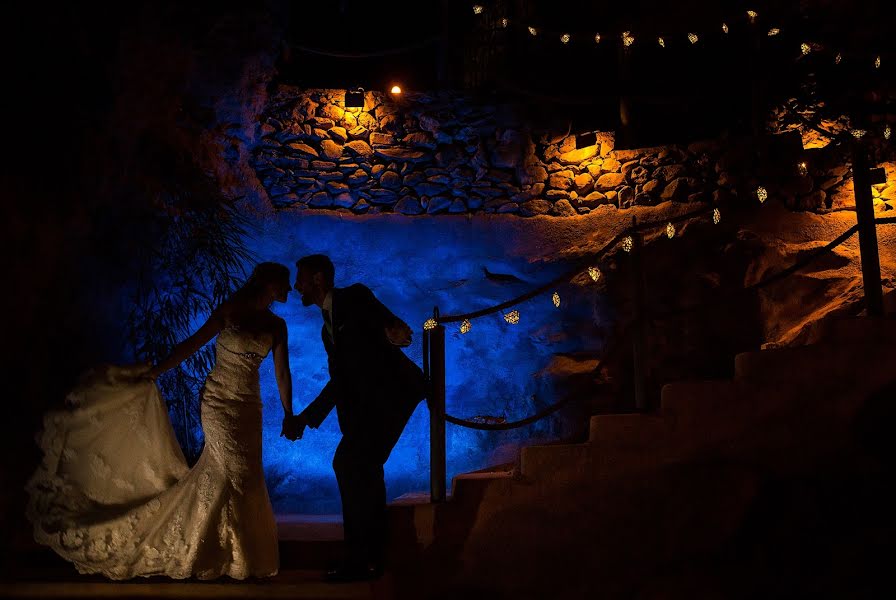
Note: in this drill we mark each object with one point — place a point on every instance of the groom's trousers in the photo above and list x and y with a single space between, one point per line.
358 464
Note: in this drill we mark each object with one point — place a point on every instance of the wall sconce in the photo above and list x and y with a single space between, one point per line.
583 140
354 98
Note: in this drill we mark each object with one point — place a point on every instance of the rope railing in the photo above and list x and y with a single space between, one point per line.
434 337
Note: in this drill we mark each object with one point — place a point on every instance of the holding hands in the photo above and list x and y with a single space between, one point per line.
293 427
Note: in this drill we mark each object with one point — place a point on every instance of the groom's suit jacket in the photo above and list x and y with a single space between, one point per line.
371 380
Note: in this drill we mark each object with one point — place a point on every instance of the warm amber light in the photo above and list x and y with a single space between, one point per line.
762 194
805 48
801 167
887 132
395 89
533 31
477 9
752 14
465 326
877 62
773 31
838 58
724 28
627 38
596 38
556 299
564 38
693 38
661 42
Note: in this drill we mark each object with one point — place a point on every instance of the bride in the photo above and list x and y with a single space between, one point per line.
114 494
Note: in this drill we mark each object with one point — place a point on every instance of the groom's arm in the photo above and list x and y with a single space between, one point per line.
315 413
397 331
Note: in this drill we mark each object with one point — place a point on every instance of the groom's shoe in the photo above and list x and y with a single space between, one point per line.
350 573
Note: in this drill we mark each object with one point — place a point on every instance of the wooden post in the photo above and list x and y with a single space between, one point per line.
861 173
639 332
437 470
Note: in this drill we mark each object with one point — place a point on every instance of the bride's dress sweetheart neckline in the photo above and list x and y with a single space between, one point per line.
114 494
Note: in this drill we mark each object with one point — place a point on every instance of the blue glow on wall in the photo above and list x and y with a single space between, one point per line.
413 265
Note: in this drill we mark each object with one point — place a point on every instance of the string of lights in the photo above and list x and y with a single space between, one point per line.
695 37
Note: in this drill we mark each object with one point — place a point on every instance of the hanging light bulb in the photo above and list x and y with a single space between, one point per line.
596 38
477 9
724 27
429 324
887 132
556 299
627 38
661 42
693 38
773 32
533 31
628 243
594 273
762 194
504 22
670 230
564 38
716 216
513 317
752 14
877 62
465 326
805 48
801 167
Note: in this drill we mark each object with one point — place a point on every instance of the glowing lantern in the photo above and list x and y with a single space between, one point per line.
477 9
396 90
805 48
877 62
692 37
887 132
838 58
556 299
465 326
773 32
429 324
858 133
596 38
716 216
661 42
564 38
801 167
752 14
670 230
627 38
504 22
594 273
762 194
724 28
533 31
513 317
628 243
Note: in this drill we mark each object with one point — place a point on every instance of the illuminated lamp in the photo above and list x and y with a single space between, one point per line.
354 98
583 140
396 90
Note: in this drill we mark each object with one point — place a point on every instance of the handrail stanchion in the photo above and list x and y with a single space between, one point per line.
868 249
639 334
437 469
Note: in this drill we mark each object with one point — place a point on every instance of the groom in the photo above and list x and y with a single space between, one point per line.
375 389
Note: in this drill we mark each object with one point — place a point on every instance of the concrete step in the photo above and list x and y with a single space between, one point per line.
828 360
294 584
472 488
697 397
869 330
628 430
546 463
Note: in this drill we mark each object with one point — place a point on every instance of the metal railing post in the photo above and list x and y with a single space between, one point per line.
639 333
868 249
437 469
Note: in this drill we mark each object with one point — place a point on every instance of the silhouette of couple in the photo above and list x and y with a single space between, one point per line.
115 496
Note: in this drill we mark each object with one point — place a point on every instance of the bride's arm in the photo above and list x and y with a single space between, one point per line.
281 368
186 348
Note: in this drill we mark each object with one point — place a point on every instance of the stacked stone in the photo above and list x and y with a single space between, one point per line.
445 154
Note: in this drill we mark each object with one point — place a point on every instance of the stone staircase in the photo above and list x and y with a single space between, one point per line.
646 490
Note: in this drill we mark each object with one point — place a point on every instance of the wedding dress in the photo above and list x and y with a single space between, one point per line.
114 494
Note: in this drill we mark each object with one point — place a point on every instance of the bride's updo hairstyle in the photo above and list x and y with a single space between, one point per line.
262 276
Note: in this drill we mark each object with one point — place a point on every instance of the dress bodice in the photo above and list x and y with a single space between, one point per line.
238 354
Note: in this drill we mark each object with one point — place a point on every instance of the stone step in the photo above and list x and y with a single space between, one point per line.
546 463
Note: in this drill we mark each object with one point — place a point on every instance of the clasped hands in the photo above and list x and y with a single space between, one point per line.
293 427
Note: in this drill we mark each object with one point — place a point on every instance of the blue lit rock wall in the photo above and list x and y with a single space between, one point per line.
496 369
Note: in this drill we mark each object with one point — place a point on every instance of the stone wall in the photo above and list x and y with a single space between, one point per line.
446 153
